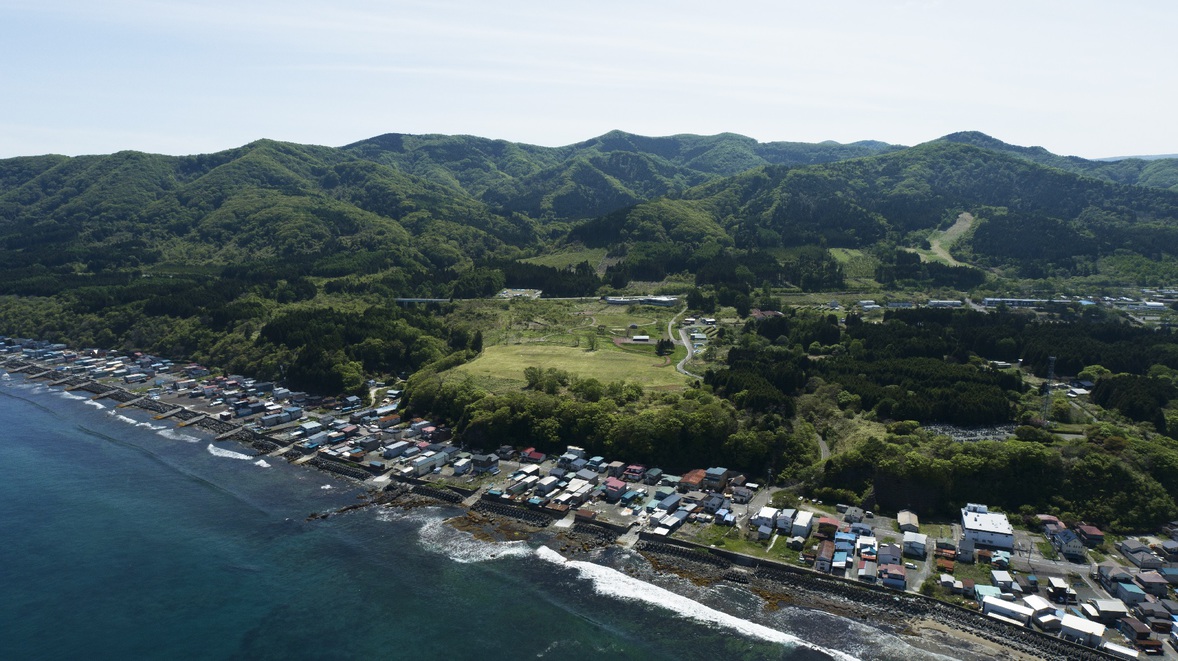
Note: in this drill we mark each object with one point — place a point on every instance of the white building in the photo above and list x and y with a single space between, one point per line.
915 544
767 516
1081 630
985 528
803 522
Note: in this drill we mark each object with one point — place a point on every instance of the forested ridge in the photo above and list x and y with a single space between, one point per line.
283 261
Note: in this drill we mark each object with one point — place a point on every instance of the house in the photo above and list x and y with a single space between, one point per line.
1151 582
890 554
1069 545
484 463
653 475
854 515
1107 611
868 571
824 561
826 527
715 479
908 521
785 520
985 528
615 469
893 576
1130 593
1139 554
741 494
767 516
634 473
692 480
1080 630
1017 612
844 542
1001 580
589 476
531 455
671 502
1170 550
714 503
1090 535
614 488
1133 629
1110 575
1045 519
916 545
803 523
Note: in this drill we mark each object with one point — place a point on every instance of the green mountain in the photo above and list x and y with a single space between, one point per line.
1154 171
589 178
201 255
267 201
1030 219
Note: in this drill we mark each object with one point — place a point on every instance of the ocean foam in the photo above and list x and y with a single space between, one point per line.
460 546
177 436
95 404
326 486
437 536
123 418
70 395
612 583
151 426
262 463
228 454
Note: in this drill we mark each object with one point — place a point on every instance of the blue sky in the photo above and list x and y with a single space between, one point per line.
1093 79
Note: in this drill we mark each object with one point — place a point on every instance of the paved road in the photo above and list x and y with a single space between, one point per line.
685 340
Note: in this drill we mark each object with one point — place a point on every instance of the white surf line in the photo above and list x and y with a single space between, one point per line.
613 583
228 454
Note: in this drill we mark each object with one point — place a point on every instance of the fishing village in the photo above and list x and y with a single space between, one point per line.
978 583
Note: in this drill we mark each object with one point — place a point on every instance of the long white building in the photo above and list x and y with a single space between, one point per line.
985 528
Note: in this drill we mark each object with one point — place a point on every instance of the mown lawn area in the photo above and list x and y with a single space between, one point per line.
501 367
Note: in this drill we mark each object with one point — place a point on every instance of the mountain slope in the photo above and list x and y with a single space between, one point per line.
1156 172
1029 216
593 177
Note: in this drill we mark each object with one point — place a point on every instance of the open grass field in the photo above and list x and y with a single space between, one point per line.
856 264
566 259
501 367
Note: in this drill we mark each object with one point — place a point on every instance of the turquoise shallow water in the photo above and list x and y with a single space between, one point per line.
123 538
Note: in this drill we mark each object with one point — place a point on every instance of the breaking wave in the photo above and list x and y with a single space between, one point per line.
228 454
262 463
150 426
70 395
95 404
122 418
612 583
177 436
437 536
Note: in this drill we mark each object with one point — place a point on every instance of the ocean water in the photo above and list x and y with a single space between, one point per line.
125 538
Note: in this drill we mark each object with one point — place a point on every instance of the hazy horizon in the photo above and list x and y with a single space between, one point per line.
178 77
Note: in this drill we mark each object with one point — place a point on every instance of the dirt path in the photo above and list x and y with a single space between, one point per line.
940 243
